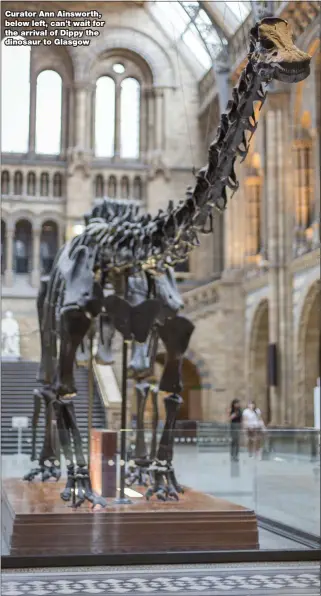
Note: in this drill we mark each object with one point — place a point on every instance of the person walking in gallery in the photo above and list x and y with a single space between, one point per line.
253 424
235 417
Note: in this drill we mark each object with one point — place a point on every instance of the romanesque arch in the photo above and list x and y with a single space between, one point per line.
308 354
258 359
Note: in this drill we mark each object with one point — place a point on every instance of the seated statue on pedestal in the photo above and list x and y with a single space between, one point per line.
10 338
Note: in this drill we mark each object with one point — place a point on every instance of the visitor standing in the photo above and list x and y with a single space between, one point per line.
235 417
253 424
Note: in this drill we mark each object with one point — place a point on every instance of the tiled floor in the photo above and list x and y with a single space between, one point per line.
186 580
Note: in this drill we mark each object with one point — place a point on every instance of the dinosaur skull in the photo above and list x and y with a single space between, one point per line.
274 51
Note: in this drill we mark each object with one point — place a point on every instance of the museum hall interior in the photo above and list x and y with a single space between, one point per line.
161 297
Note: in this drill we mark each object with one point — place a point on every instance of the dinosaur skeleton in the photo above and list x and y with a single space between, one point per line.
119 243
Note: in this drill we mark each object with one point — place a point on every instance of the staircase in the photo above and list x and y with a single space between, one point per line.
18 380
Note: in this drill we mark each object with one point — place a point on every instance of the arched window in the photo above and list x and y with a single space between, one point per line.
3 246
44 184
23 246
105 117
124 187
99 186
5 182
15 97
31 184
137 188
112 187
48 112
57 185
17 184
48 245
129 118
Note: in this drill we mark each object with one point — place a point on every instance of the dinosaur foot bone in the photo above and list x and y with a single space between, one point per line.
164 484
45 471
78 489
137 472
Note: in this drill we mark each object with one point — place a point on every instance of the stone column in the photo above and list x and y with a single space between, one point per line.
35 274
151 141
316 190
143 124
32 113
117 121
8 274
159 119
273 249
81 91
285 232
64 120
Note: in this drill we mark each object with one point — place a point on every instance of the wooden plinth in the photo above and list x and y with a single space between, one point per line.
36 522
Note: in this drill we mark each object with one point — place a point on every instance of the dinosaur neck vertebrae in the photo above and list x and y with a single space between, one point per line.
128 239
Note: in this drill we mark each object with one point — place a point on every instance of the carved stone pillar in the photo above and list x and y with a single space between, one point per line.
143 124
117 122
81 115
8 274
150 120
316 189
273 249
159 99
32 112
285 222
35 274
280 209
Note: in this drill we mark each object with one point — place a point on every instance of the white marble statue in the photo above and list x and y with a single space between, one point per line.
10 337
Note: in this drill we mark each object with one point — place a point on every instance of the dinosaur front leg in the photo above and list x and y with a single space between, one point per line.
74 326
47 339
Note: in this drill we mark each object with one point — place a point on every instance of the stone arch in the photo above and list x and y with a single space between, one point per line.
23 246
99 186
57 185
5 182
112 187
133 40
308 354
44 184
258 388
48 216
134 64
18 183
3 245
49 241
31 184
124 187
22 214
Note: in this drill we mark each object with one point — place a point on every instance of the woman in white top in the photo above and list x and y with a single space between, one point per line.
253 424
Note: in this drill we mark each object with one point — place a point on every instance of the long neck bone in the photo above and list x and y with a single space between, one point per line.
230 142
133 239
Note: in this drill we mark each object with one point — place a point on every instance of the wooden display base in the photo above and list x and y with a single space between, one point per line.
37 522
